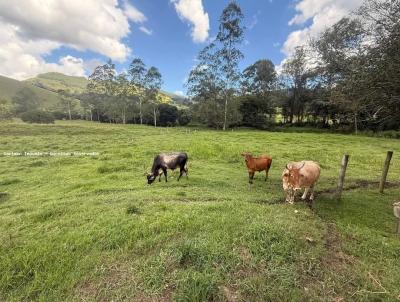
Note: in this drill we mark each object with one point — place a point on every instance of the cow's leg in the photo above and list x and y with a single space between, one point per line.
186 172
266 174
159 176
287 192
290 195
251 176
181 170
312 193
304 197
165 174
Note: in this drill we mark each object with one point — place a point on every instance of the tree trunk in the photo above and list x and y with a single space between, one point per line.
123 116
155 116
140 112
69 111
225 111
355 123
91 115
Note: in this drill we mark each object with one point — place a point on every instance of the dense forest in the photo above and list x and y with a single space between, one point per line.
348 78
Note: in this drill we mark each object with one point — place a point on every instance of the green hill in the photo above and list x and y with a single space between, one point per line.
10 87
55 81
45 87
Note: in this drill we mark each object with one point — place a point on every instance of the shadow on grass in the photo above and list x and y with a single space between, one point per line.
4 197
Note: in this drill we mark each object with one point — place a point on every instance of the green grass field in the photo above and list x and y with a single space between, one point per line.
89 228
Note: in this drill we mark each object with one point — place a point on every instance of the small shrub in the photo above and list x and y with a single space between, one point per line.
4 196
196 286
184 117
38 117
133 210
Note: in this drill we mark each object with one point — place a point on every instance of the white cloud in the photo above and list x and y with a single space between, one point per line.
254 20
146 30
133 13
30 30
179 92
322 13
193 11
21 58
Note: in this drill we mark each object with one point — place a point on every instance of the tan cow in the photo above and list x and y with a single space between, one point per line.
298 175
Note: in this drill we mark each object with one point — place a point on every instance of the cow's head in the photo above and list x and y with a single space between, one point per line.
151 178
293 176
247 156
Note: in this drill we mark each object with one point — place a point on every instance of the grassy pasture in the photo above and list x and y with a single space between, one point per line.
89 228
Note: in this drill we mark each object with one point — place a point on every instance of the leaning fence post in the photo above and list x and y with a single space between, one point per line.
342 174
385 171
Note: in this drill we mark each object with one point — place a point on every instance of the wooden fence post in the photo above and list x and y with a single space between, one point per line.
342 174
385 171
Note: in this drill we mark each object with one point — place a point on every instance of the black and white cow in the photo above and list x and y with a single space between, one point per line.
164 161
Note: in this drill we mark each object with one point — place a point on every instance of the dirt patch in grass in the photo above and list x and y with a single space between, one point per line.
335 258
362 184
229 294
118 283
335 264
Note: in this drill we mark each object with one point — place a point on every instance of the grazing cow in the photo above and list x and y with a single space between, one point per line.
166 161
298 175
259 164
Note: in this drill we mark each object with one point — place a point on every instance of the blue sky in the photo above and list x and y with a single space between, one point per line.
171 49
72 36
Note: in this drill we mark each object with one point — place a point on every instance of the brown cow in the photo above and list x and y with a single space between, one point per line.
298 175
259 164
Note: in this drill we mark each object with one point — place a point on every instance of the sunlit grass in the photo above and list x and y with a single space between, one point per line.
90 228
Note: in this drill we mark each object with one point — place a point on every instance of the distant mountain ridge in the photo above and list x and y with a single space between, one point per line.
10 87
55 81
46 86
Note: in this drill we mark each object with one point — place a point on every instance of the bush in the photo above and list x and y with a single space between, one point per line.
168 115
184 117
37 116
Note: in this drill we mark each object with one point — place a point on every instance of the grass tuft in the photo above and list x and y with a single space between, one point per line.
132 209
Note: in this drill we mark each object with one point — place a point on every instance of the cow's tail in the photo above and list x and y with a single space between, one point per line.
269 163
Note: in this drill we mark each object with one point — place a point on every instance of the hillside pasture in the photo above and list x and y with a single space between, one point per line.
89 228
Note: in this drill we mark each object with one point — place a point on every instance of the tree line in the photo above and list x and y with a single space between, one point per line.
133 96
347 78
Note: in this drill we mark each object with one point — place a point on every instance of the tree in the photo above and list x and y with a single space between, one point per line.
342 65
153 82
122 93
259 80
6 110
382 26
25 100
67 102
230 36
254 111
137 72
184 117
102 88
168 115
38 117
205 87
214 81
296 75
